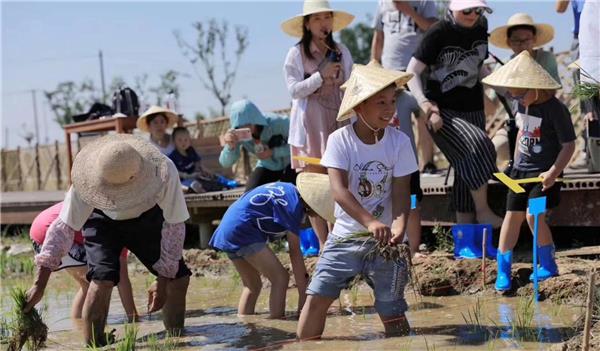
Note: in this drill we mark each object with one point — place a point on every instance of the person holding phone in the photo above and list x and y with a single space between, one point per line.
267 139
315 68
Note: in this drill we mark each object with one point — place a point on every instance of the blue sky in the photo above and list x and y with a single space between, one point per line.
44 43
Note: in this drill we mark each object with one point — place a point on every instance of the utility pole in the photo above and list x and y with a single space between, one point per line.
35 118
102 77
6 137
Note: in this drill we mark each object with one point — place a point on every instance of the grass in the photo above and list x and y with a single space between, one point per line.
168 344
443 238
15 265
128 342
522 324
25 328
474 316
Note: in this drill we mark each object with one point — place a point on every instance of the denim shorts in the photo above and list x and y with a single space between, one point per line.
340 262
246 251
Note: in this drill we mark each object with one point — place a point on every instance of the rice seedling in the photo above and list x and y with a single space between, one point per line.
474 316
522 324
109 339
25 328
128 342
169 343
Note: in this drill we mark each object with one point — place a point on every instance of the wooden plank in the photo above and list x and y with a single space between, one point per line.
580 252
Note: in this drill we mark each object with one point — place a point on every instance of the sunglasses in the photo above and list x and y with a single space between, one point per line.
478 11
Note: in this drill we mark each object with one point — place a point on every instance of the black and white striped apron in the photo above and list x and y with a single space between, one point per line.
462 139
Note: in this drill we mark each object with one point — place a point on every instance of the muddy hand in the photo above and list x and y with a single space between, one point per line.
380 231
157 294
34 295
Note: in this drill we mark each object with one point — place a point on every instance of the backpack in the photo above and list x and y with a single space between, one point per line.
125 101
96 111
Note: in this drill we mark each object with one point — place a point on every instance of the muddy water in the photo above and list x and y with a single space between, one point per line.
352 324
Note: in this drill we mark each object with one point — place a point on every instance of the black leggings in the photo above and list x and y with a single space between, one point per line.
261 176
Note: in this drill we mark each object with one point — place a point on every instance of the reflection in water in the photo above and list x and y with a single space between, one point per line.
212 321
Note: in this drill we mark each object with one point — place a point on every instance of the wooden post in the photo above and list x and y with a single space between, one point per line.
57 164
205 233
589 312
483 250
3 171
38 171
20 173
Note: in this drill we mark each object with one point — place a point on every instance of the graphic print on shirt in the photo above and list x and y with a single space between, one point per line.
530 133
456 66
372 179
275 194
400 22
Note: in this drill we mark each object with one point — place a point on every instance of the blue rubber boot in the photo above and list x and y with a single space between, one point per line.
504 260
547 266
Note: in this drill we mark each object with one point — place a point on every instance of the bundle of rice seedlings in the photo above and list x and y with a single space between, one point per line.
26 327
394 253
587 90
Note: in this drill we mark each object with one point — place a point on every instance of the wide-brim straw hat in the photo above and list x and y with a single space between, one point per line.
366 81
315 190
293 26
522 72
142 122
544 33
119 172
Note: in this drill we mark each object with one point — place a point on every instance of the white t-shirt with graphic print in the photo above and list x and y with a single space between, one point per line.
370 171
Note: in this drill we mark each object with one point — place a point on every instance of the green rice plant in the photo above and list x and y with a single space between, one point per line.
25 328
236 277
95 345
522 324
169 343
20 264
443 238
128 342
474 316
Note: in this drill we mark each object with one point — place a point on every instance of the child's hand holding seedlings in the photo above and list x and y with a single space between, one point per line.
380 231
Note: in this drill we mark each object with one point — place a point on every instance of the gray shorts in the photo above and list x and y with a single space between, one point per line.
246 251
340 262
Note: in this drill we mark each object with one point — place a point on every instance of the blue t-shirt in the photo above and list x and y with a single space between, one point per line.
262 214
185 164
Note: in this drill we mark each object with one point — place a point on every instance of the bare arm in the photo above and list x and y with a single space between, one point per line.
339 187
400 206
377 46
298 268
562 160
422 22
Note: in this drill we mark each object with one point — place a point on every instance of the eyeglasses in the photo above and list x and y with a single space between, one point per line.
478 11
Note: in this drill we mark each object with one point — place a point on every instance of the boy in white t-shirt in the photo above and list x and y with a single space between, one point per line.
369 165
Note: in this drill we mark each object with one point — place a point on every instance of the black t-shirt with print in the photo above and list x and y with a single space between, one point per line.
454 56
541 132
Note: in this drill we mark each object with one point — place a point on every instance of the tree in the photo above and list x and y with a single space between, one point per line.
168 85
358 39
210 49
70 98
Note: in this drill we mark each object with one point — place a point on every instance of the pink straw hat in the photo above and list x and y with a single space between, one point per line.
459 5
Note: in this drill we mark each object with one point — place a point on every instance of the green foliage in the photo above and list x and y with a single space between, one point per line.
443 238
522 323
210 51
69 99
168 344
128 342
358 39
25 328
15 265
474 316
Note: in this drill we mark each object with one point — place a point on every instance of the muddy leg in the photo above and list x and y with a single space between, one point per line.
78 273
95 311
395 325
174 309
252 286
312 318
267 264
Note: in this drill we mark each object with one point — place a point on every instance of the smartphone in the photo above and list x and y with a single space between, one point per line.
243 134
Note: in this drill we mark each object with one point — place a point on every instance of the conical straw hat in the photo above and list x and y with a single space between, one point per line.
142 122
293 26
522 72
119 172
544 33
315 190
366 81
